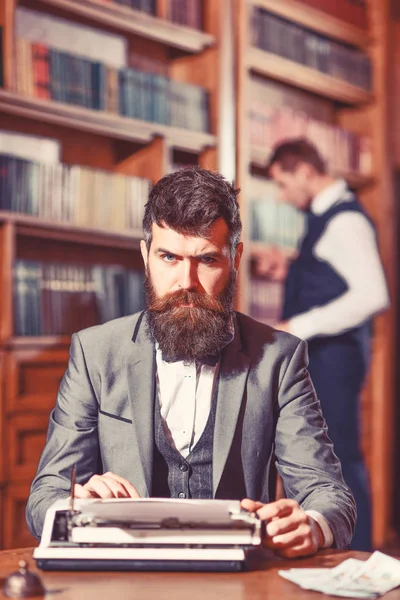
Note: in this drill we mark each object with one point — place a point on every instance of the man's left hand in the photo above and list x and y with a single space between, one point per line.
289 531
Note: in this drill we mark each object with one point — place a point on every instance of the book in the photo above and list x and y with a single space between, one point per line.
72 194
299 44
276 116
30 147
57 33
60 298
46 72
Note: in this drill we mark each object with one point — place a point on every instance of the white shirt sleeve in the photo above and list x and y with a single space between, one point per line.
325 528
348 246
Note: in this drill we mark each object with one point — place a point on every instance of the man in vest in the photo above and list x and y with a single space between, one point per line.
333 288
190 399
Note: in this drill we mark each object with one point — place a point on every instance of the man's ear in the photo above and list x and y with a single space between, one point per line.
305 170
238 256
145 254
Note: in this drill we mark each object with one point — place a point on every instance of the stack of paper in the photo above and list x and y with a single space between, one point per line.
352 578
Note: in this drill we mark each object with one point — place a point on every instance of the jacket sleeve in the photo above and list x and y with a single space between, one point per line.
72 439
306 461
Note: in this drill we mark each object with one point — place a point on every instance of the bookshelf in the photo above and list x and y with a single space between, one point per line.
281 69
317 20
31 366
362 112
259 157
129 20
112 126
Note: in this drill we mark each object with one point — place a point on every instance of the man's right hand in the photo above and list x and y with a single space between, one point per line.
108 485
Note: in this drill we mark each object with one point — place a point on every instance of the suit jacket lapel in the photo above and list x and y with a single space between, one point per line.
141 383
234 369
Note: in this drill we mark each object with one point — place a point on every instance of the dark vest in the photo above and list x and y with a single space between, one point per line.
312 283
175 476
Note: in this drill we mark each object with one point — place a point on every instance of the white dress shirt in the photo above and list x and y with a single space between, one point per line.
348 245
184 392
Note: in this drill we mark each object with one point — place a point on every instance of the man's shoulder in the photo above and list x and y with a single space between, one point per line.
111 332
254 332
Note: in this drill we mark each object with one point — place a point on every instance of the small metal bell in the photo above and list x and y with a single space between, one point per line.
23 583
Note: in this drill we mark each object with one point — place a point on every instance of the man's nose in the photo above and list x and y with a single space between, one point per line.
188 279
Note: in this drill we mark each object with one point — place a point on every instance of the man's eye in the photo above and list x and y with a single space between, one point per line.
208 260
168 257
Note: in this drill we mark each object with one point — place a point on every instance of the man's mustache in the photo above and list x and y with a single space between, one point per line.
185 298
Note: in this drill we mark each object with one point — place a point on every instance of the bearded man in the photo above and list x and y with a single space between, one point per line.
190 399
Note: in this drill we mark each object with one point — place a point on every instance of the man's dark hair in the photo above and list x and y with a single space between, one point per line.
190 201
290 154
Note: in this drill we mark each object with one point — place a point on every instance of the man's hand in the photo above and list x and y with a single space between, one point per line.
108 485
271 263
289 531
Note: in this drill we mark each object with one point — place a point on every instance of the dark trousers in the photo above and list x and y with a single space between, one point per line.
337 370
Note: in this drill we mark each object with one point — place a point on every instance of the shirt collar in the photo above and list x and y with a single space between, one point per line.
327 197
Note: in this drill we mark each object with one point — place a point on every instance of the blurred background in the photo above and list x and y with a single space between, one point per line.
101 98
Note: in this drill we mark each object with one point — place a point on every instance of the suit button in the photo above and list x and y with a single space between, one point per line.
181 495
183 467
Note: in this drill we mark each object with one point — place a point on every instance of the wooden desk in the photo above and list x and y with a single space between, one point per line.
264 583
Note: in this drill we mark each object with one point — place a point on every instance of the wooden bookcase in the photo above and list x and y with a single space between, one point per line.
363 113
31 368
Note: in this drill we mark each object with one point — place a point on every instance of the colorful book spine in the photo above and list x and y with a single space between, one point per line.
147 95
59 299
269 126
279 36
72 194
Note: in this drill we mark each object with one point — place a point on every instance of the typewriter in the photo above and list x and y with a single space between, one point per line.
147 534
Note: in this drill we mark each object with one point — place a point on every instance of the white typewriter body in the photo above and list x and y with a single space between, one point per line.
147 534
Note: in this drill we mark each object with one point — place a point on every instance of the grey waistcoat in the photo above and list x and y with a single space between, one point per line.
175 476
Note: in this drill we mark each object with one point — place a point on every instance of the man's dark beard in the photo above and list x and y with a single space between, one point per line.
190 333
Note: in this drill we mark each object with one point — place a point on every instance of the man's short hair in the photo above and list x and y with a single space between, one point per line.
290 154
190 201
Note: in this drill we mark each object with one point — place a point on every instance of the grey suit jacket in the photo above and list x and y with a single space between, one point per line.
267 412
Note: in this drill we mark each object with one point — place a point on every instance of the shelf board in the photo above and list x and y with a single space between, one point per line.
305 78
317 20
259 156
31 226
129 20
35 341
102 123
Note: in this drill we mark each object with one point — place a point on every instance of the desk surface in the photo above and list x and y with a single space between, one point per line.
263 583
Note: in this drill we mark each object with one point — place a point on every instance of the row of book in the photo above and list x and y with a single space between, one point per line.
186 12
46 73
266 301
59 299
147 6
183 12
270 125
292 41
72 194
273 222
351 11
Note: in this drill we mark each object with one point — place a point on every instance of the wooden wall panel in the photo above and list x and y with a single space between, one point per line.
33 378
15 530
26 437
7 255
